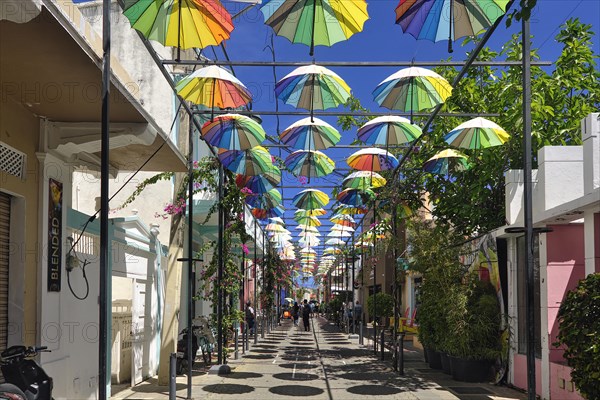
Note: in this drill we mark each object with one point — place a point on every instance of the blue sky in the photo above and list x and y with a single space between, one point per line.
381 40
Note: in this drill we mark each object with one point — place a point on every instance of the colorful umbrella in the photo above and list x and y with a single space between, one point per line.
233 132
445 160
315 23
412 89
339 219
307 228
477 133
317 212
349 210
354 197
309 221
312 87
268 200
363 180
309 163
260 183
260 213
214 86
339 234
276 228
310 199
388 130
180 23
347 227
277 220
428 19
310 135
335 242
254 161
372 159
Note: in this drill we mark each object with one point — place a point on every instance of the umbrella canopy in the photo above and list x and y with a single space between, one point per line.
347 227
233 132
364 180
260 183
350 210
309 163
388 130
412 89
339 219
180 23
315 23
268 200
317 212
309 221
308 134
355 197
277 220
254 161
372 159
214 86
312 87
261 213
339 234
445 160
307 228
310 199
426 19
477 133
335 242
276 228
307 250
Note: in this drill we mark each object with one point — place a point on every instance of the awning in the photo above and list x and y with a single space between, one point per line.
53 71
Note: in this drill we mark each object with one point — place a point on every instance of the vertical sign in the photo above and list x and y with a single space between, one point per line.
54 235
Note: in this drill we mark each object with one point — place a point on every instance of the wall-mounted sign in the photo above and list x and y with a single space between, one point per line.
54 235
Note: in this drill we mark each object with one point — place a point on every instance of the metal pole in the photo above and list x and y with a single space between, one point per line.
396 311
353 299
104 271
374 280
240 63
173 376
220 299
255 284
401 356
190 232
262 320
527 205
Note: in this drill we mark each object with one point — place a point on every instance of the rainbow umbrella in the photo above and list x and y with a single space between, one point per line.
312 87
310 135
180 23
363 180
254 161
477 133
270 199
260 183
315 23
214 86
261 213
310 199
347 227
350 210
372 159
445 160
277 220
355 197
309 221
307 228
309 163
340 219
412 89
335 242
428 19
233 132
317 212
339 234
276 228
388 130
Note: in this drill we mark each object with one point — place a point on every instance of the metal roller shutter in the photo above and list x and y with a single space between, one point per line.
4 253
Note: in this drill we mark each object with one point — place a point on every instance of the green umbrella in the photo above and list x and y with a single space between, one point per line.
268 200
477 133
364 180
254 161
309 163
310 199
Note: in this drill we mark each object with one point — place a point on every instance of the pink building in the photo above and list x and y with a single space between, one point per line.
566 198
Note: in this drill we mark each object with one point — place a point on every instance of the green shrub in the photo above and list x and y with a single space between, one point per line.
579 332
385 305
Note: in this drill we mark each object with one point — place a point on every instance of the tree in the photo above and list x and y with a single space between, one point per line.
472 201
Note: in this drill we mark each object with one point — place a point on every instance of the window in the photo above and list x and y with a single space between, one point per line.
521 298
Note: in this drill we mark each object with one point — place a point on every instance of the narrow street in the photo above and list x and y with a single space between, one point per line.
322 364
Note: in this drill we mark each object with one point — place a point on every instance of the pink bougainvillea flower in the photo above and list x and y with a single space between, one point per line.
245 249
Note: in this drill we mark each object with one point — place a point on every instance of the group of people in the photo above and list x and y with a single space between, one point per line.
305 309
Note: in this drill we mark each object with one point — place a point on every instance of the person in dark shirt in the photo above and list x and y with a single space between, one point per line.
306 315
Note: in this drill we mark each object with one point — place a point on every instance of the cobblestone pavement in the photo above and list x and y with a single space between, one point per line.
321 364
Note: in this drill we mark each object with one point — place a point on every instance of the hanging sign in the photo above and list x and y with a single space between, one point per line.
54 235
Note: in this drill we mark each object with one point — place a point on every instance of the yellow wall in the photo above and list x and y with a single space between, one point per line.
20 130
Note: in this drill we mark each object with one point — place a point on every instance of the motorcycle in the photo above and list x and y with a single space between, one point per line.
20 371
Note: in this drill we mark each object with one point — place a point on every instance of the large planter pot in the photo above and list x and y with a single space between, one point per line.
446 365
425 354
434 358
465 370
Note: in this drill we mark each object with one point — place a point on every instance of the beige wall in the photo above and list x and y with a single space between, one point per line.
20 130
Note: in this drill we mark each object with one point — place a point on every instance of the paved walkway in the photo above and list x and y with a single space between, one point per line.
321 364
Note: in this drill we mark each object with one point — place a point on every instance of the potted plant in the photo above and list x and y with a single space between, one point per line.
385 306
474 326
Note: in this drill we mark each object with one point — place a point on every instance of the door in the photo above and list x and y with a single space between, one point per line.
138 312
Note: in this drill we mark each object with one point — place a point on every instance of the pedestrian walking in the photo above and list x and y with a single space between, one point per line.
306 315
296 313
250 316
